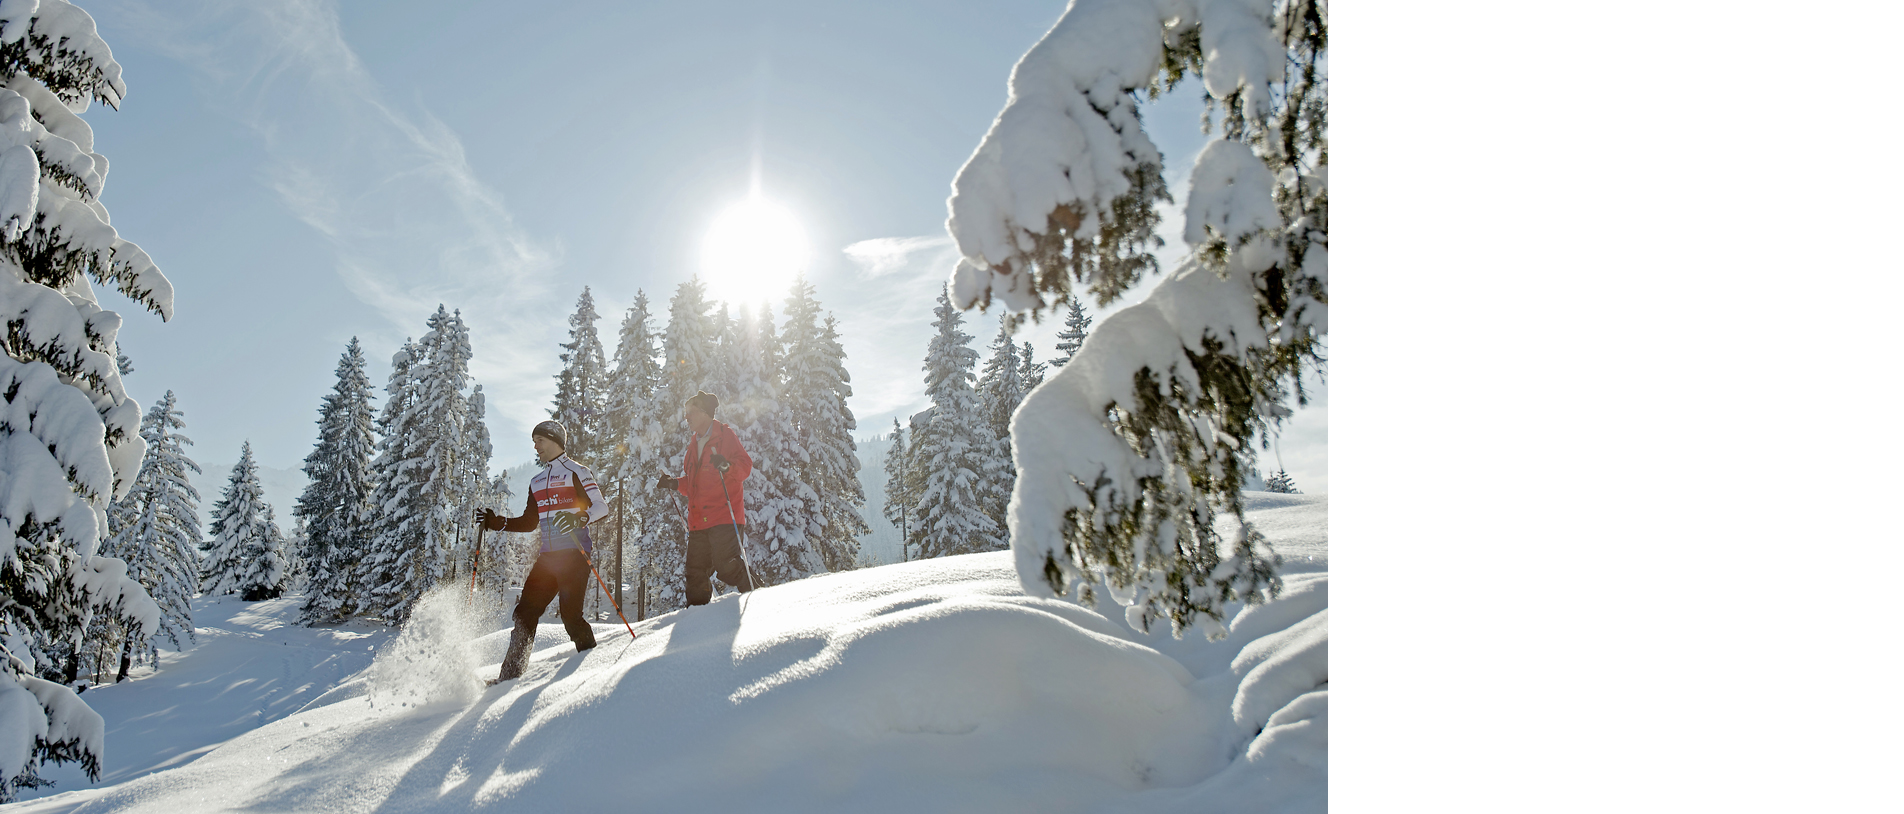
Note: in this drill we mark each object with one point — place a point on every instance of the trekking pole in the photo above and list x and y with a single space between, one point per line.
611 599
475 564
740 535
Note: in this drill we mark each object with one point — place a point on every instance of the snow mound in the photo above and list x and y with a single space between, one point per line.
924 686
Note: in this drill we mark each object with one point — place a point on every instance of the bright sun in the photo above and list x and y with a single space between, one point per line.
752 251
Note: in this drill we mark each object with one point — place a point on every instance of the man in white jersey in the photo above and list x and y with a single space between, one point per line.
563 500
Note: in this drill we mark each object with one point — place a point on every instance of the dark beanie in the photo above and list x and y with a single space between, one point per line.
705 402
552 430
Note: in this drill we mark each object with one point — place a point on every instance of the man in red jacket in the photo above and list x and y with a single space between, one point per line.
714 466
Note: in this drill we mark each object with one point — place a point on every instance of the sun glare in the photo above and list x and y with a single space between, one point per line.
752 251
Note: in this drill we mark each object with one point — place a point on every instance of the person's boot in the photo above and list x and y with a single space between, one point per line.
521 640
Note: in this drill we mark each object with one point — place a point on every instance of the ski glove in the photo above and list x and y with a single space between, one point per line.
718 461
568 522
490 520
665 482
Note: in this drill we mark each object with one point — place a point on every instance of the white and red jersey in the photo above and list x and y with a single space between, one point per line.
564 486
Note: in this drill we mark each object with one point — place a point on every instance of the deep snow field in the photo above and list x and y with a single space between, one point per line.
923 686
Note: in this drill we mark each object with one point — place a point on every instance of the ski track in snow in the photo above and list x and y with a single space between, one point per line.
923 686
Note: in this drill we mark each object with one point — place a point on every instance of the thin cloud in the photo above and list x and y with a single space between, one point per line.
389 187
882 256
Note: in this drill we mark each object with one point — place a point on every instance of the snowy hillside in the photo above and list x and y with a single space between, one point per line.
925 686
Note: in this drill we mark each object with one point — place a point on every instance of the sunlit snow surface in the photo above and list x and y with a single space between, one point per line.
925 686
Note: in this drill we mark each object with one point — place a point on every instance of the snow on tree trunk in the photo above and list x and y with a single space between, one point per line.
1131 449
68 432
334 506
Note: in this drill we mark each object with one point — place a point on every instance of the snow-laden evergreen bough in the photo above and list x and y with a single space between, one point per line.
1133 446
68 431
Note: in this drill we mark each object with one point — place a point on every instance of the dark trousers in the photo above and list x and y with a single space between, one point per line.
715 551
563 572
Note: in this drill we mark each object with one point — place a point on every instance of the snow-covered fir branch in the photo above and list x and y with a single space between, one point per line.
69 430
1133 447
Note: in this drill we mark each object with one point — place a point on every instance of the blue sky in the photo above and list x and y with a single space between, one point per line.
306 171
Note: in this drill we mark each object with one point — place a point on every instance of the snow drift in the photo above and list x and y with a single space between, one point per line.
924 686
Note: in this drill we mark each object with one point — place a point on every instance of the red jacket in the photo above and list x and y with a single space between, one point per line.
701 482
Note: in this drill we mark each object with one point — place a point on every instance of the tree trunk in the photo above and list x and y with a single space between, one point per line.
125 661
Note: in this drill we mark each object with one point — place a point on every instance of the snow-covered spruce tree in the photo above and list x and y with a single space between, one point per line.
581 387
335 503
245 555
394 515
473 484
817 387
999 391
69 428
917 426
155 530
1076 327
1281 483
297 574
782 512
1132 449
272 568
837 456
425 472
504 558
1030 373
954 449
642 427
691 353
899 497
628 407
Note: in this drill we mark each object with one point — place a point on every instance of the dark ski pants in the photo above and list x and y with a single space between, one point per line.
715 551
563 572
